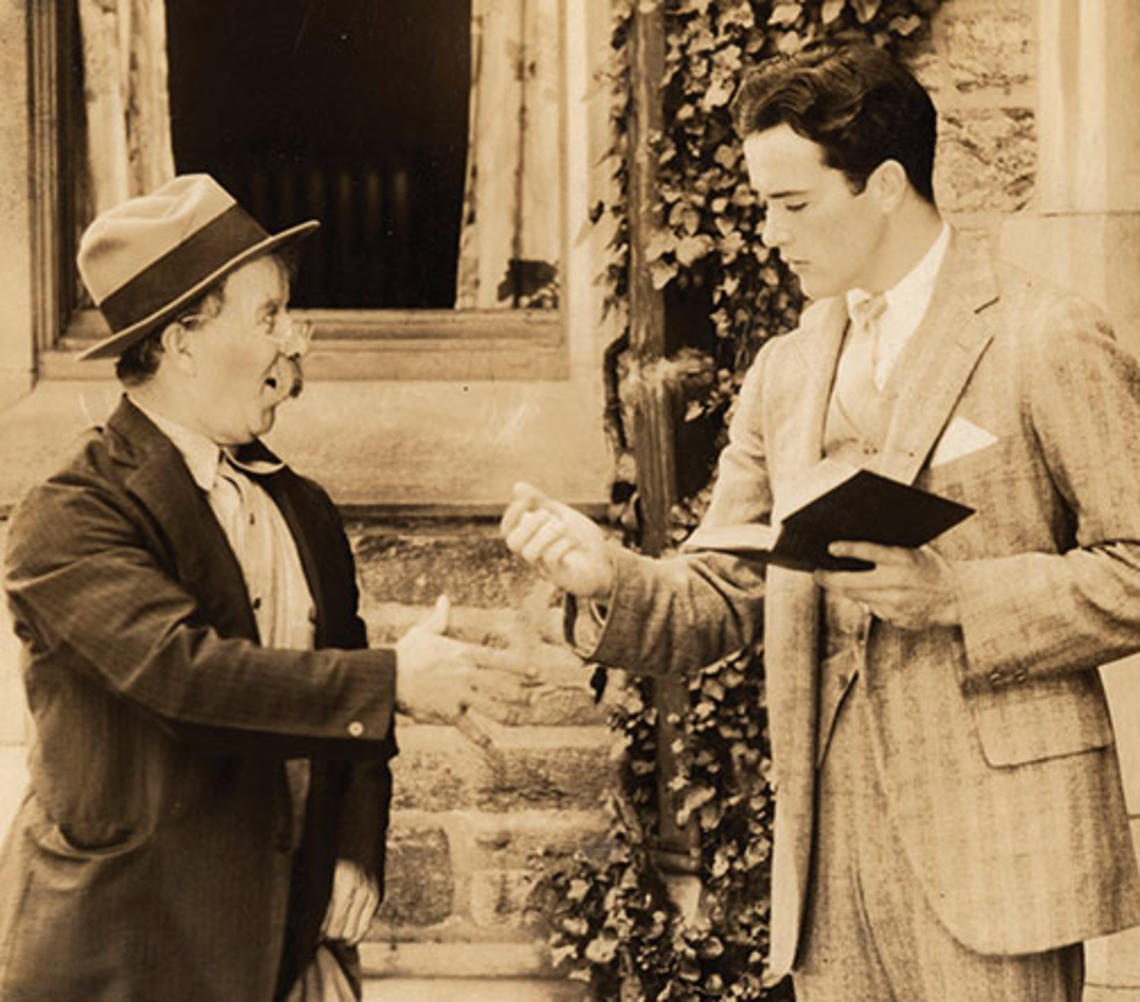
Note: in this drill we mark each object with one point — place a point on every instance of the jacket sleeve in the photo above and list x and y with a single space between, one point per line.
686 611
84 586
1032 614
365 803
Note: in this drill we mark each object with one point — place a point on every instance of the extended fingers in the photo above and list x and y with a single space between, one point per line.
873 553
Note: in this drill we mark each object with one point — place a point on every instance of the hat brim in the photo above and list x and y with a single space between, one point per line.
121 340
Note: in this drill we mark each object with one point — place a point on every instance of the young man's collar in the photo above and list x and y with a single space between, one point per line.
915 287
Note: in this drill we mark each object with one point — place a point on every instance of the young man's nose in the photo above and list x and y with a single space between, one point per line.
774 232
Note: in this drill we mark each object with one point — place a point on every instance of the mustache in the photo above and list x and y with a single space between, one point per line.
294 378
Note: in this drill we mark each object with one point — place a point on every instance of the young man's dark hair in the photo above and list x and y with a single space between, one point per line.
856 101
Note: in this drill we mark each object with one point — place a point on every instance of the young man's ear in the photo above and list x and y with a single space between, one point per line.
888 184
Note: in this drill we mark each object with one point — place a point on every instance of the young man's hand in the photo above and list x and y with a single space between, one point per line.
911 589
567 548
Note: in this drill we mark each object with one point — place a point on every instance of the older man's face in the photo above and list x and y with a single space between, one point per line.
247 358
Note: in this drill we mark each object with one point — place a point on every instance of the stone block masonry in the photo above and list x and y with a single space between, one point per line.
479 812
980 68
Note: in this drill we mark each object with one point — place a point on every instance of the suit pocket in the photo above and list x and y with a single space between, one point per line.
65 841
1042 719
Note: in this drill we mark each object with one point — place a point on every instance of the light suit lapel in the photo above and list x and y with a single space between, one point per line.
792 622
941 358
800 447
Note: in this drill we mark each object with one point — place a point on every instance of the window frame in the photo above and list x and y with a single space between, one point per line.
349 344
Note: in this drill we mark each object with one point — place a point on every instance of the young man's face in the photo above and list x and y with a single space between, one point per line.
247 358
826 234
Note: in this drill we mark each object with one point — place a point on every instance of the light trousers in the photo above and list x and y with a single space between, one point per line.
869 934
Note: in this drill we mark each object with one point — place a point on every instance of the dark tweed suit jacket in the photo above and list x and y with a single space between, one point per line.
995 745
151 856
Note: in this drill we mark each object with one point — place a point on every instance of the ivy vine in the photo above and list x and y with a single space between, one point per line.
611 921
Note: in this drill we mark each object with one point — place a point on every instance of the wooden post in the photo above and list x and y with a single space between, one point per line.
652 413
652 403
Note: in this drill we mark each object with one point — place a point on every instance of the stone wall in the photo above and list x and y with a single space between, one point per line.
981 72
479 812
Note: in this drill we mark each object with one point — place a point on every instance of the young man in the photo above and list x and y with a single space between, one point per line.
950 821
209 779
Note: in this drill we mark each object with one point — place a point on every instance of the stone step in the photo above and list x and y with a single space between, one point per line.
472 990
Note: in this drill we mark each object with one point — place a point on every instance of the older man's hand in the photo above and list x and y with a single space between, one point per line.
911 589
438 677
353 903
568 549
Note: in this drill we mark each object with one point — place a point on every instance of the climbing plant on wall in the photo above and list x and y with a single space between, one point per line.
611 921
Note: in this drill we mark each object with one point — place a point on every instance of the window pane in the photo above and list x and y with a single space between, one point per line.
351 112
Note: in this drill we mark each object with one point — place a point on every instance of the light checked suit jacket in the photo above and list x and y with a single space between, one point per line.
993 738
151 856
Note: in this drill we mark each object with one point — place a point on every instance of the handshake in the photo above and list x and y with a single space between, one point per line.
438 678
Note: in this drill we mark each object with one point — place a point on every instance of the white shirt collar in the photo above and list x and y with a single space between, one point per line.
200 454
911 294
905 304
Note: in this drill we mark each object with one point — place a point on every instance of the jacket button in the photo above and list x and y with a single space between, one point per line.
356 728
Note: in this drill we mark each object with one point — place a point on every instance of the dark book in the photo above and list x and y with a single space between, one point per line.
845 503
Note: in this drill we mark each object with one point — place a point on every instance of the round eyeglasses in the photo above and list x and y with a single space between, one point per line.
296 337
293 340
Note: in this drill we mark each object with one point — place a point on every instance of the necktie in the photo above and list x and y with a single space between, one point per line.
855 380
865 317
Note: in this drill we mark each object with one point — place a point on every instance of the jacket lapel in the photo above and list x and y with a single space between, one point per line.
196 544
941 358
800 444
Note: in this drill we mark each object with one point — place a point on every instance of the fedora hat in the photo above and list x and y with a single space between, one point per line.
146 259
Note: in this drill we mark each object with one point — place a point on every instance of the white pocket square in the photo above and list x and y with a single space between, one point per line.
961 438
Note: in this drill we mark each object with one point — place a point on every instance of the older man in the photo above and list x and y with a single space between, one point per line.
209 781
950 822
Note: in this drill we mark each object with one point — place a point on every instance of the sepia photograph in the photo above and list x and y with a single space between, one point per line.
570 501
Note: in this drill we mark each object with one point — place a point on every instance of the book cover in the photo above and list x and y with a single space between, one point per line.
852 504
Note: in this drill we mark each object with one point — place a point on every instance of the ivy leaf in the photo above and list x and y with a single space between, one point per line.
662 272
727 155
831 10
740 16
789 43
561 954
575 925
578 889
692 249
785 14
602 949
695 798
906 26
660 243
866 9
718 92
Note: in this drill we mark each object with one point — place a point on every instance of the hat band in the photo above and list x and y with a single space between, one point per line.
183 267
